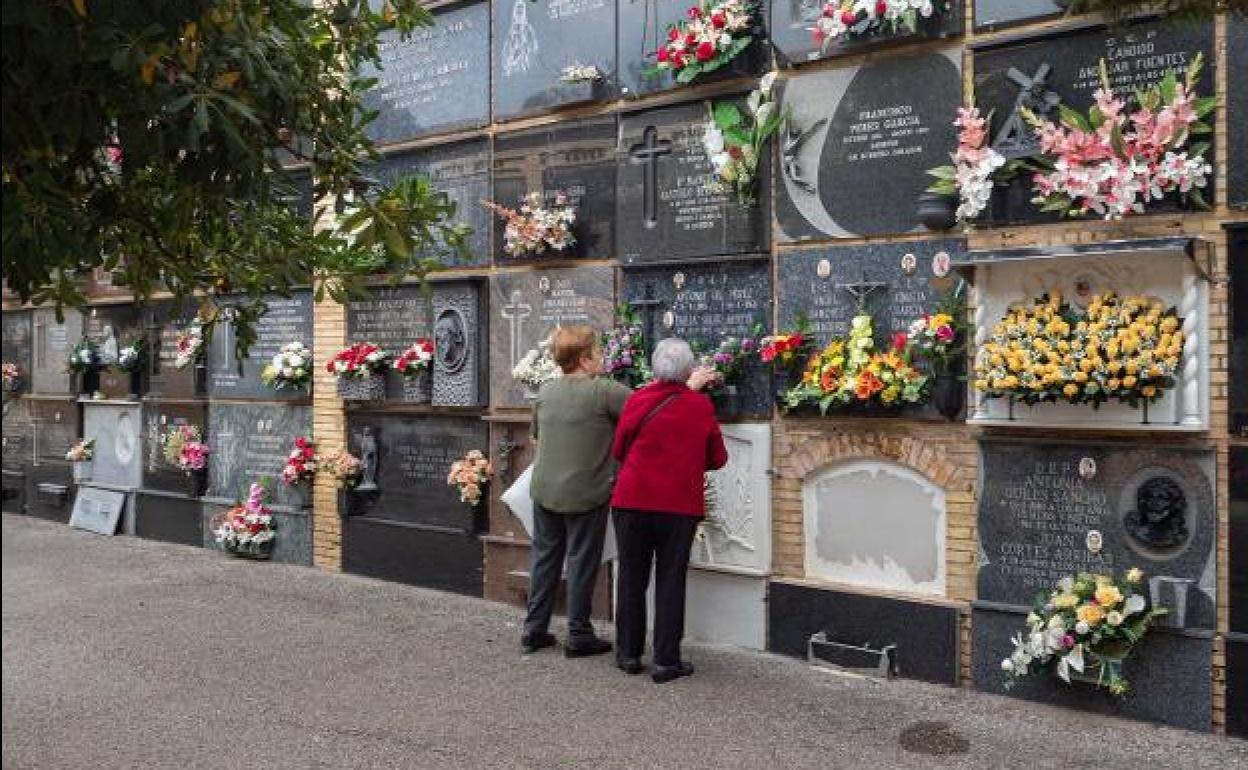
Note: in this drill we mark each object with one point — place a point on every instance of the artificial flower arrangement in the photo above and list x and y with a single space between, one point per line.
290 368
537 367
730 357
130 357
534 228
183 447
248 529
361 360
624 350
580 73
735 142
976 166
343 467
416 359
84 357
1087 623
851 372
301 464
788 350
83 451
190 345
940 338
12 376
1125 349
842 19
714 33
470 473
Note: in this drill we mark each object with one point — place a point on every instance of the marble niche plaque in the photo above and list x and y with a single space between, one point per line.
98 510
250 442
117 431
737 535
15 437
461 341
406 460
289 319
534 42
665 210
793 22
160 419
703 304
576 158
54 429
167 319
1048 510
1063 68
17 348
52 342
1237 110
856 150
112 327
526 308
990 14
436 80
462 172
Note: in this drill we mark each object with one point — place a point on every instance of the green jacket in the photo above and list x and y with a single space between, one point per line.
574 425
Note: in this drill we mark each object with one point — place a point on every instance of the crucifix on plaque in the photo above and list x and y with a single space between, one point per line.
647 305
514 313
648 153
1016 139
860 290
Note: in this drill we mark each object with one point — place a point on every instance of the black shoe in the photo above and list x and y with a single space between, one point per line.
536 641
585 649
630 666
662 674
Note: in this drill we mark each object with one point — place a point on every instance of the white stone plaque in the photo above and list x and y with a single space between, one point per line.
97 510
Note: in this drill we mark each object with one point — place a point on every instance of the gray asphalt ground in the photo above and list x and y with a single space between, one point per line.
130 653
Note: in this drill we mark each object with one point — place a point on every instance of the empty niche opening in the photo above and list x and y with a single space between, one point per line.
877 524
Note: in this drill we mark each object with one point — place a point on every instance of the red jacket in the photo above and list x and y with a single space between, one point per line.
664 466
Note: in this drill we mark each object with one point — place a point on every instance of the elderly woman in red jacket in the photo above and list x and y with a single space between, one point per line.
666 440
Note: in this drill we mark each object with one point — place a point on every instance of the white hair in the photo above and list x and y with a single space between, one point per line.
673 360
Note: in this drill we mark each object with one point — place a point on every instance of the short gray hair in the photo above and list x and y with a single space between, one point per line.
673 360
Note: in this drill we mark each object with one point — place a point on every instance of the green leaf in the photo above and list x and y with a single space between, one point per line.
727 115
1073 118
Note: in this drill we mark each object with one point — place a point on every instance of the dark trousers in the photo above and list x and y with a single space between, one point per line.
580 536
664 540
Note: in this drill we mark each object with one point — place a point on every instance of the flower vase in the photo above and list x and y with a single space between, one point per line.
937 211
948 394
197 483
82 471
370 387
727 401
263 552
200 379
418 388
138 384
86 381
742 226
579 92
1094 674
781 383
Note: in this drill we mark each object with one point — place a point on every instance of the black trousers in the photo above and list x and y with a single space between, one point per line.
664 540
580 536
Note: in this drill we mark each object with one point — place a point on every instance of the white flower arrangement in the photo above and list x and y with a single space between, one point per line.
291 367
537 367
130 357
190 346
852 18
580 73
734 142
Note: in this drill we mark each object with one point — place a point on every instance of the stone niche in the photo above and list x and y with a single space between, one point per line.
875 524
1237 637
116 428
1237 111
1169 270
52 342
16 439
288 319
17 348
112 327
165 321
250 443
54 427
793 21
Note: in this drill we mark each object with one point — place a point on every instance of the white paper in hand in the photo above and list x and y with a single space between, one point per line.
518 499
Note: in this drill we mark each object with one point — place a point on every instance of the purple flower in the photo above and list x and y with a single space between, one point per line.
626 361
1068 641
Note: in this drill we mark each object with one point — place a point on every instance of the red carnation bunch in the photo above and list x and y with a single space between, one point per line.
416 359
301 464
714 33
358 361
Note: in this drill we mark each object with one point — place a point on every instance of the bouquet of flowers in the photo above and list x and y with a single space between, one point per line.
190 346
940 338
343 467
12 376
976 167
1117 159
84 357
580 73
291 367
1087 622
1123 349
470 473
854 18
536 367
82 451
624 350
358 361
787 350
301 463
248 529
533 228
183 447
730 356
735 142
416 359
130 357
851 371
715 33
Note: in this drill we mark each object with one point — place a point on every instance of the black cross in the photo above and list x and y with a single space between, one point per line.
648 304
1016 139
861 290
648 153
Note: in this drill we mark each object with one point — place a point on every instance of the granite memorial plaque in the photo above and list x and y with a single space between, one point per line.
289 319
894 282
1236 110
406 460
643 27
860 140
793 24
54 429
159 420
97 510
16 438
117 430
461 345
166 320
436 80
17 349
250 442
526 308
534 42
1237 250
702 304
112 327
576 158
52 342
666 210
1237 542
1048 510
994 14
1044 71
462 172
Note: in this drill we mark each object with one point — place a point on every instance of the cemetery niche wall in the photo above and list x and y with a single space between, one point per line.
794 23
16 427
287 320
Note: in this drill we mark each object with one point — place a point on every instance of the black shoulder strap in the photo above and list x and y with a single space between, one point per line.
649 416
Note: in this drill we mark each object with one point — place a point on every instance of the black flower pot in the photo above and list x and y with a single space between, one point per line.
138 383
87 381
948 395
201 379
727 402
937 211
197 482
781 383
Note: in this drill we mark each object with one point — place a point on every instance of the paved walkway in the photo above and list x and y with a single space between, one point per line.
130 653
